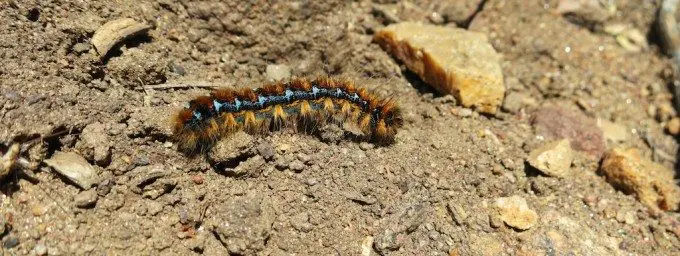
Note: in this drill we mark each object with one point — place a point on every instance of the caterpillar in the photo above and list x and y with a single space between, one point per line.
299 102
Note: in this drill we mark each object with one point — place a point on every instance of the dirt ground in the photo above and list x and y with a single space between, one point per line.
429 193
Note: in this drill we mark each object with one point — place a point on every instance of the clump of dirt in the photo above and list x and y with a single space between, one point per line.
433 190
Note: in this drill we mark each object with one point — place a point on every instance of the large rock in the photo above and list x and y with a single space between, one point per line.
454 61
650 182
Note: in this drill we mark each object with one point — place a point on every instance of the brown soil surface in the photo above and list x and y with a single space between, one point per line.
432 192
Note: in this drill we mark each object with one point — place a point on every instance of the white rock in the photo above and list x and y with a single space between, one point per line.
515 212
612 131
552 159
74 167
278 72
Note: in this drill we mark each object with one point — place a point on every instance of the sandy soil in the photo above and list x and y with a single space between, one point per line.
430 193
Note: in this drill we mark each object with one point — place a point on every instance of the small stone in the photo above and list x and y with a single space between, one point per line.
590 200
75 168
673 126
86 199
311 181
552 159
40 249
10 241
515 212
452 60
81 47
513 102
462 112
612 131
651 183
297 166
39 209
278 72
366 146
458 213
198 179
176 68
366 246
556 122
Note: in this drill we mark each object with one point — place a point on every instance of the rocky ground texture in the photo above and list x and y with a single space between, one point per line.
578 159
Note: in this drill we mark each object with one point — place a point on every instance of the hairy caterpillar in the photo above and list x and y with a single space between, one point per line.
299 102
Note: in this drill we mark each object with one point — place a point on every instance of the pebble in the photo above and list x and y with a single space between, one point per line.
366 244
10 241
458 213
650 182
515 212
556 122
86 199
462 112
673 126
552 159
81 47
75 168
311 181
297 166
513 102
38 210
40 249
452 60
366 146
278 72
612 131
198 179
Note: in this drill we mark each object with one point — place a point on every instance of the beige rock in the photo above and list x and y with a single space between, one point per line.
552 159
277 72
515 212
650 182
454 61
114 32
673 126
75 168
